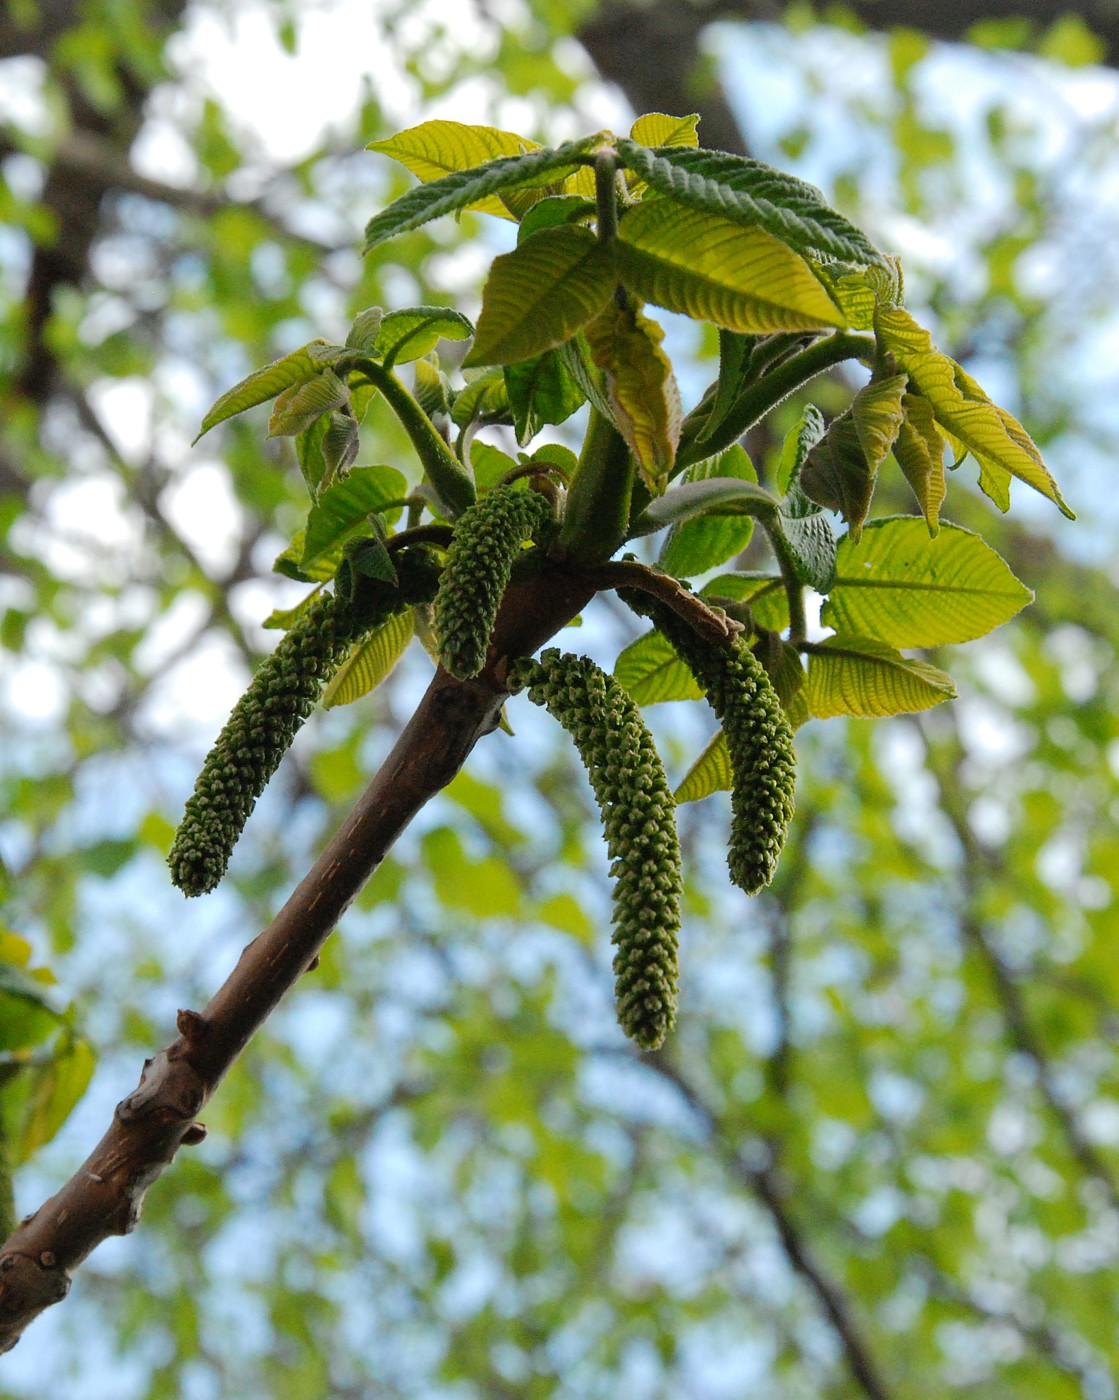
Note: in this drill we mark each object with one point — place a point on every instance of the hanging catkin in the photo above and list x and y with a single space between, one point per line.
487 542
638 814
255 738
759 741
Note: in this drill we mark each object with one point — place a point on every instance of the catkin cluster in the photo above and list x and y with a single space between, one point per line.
256 736
487 542
638 814
759 740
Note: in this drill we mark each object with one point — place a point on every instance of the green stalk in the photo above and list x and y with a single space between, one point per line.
598 503
767 392
453 483
606 195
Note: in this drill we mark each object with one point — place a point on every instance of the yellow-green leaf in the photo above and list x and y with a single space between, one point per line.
919 452
437 148
711 772
264 384
652 672
539 295
851 675
303 404
368 666
713 269
703 543
906 589
58 1087
659 129
878 414
998 441
341 510
407 335
641 387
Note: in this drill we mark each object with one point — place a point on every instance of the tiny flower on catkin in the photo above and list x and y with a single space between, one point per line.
487 542
639 817
759 740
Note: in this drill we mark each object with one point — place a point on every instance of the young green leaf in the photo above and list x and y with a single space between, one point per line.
751 193
659 129
59 1085
707 541
734 356
465 188
651 672
301 405
264 384
342 508
714 270
539 295
998 442
322 570
837 474
365 329
437 148
408 335
485 397
908 590
541 390
805 533
919 452
554 211
711 772
799 442
878 414
366 667
852 675
489 464
641 387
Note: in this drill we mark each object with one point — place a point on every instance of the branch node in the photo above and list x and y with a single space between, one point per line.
190 1025
194 1134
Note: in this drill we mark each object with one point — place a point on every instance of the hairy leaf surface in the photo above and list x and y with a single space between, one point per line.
372 661
852 675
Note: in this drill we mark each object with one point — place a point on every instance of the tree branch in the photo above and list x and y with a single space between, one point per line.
105 1195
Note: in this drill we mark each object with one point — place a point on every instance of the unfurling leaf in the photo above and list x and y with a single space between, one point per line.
301 405
999 443
714 270
878 414
539 295
799 442
641 388
806 533
908 590
343 508
919 452
264 384
849 675
837 474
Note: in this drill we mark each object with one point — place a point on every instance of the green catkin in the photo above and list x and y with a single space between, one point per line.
487 543
759 740
256 736
639 817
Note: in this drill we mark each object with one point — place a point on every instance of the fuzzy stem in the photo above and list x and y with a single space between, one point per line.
598 503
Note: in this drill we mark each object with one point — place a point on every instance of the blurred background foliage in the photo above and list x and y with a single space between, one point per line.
881 1156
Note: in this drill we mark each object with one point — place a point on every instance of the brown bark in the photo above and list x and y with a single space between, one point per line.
105 1195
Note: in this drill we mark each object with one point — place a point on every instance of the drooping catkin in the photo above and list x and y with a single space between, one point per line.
487 542
256 736
759 740
638 814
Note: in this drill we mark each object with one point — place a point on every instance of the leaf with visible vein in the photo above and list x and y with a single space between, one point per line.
998 441
408 335
799 442
641 387
750 193
906 589
651 672
343 508
714 270
264 384
464 188
919 452
437 148
539 295
711 772
862 676
303 404
707 541
368 666
660 129
541 390
837 474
